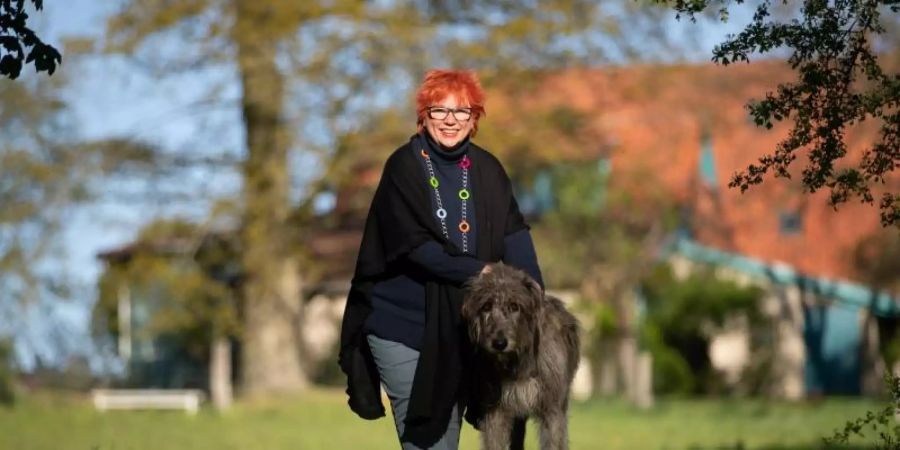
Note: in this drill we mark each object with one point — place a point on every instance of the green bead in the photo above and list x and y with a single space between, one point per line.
433 181
464 194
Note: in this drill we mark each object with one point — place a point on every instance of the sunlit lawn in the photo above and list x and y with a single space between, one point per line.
320 420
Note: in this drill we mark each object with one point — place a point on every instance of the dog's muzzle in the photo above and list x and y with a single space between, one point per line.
499 344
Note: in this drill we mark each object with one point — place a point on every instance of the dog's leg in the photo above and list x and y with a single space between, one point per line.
554 433
495 430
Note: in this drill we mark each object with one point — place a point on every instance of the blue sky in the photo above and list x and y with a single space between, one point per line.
110 98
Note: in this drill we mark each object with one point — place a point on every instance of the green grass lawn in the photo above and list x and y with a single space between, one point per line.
320 420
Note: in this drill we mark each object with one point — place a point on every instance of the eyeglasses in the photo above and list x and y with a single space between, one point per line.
440 113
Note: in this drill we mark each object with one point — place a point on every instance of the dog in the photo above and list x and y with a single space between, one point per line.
525 350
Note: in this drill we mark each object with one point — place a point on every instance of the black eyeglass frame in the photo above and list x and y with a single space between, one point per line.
446 111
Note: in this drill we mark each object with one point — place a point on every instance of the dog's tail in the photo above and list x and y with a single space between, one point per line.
517 435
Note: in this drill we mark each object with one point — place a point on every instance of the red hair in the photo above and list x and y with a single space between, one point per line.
440 83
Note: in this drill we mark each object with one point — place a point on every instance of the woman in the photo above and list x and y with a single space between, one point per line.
443 209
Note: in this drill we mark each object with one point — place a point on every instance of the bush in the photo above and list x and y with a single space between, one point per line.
671 371
680 316
882 422
328 372
7 393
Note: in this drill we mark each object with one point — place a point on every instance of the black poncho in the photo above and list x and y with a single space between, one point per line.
400 219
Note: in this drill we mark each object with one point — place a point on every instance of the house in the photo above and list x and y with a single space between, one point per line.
685 128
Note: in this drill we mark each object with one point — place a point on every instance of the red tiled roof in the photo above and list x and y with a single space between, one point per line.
656 116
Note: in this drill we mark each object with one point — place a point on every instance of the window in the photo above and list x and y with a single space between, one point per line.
790 222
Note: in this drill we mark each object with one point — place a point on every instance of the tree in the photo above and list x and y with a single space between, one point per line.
603 241
250 44
877 259
835 49
45 175
42 174
16 37
322 68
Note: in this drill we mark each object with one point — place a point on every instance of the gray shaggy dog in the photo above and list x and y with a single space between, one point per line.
525 354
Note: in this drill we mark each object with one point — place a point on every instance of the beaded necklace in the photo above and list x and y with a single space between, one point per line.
464 195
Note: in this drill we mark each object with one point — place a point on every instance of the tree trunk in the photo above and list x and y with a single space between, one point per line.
873 366
626 339
626 353
602 346
603 368
617 361
271 354
220 373
644 381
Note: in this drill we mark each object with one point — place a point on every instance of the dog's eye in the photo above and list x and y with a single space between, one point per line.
486 307
514 307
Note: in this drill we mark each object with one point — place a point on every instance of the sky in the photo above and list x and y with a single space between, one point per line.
112 99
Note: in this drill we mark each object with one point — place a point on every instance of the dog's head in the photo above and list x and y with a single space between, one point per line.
501 310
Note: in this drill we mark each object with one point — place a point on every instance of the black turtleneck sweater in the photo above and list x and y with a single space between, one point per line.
398 307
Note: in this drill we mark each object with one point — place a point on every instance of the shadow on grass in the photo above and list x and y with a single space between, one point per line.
810 446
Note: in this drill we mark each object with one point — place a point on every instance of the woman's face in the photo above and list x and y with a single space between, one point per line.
449 122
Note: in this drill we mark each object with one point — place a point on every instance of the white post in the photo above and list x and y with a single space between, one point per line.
124 323
220 373
644 382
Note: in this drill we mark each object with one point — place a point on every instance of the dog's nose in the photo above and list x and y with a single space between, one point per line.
499 344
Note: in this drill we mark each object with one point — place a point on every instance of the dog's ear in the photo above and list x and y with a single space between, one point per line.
537 293
466 311
470 305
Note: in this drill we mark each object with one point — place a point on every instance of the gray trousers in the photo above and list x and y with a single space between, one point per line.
397 366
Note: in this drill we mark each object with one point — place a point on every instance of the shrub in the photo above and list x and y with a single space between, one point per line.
881 421
7 393
679 319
